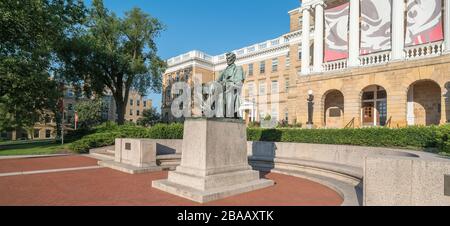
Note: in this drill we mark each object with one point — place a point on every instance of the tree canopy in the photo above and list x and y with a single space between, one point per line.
149 117
114 54
31 30
89 113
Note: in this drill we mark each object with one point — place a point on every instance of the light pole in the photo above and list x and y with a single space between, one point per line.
310 100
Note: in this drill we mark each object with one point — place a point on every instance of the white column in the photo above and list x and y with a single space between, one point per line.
306 26
398 30
318 37
353 41
411 118
447 26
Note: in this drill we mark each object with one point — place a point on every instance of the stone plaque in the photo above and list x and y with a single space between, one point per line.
127 146
447 185
335 112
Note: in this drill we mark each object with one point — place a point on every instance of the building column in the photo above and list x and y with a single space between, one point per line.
398 30
447 26
306 27
353 58
318 37
411 118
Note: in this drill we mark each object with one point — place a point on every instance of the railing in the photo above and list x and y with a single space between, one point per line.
425 50
335 65
189 56
375 58
351 124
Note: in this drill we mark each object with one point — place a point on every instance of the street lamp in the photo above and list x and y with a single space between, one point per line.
310 100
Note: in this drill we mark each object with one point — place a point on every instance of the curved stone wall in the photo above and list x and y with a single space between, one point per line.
349 170
340 167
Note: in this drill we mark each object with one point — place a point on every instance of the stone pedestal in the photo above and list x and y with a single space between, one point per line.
134 156
214 162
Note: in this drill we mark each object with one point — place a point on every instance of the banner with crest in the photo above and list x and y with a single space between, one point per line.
336 32
375 26
424 22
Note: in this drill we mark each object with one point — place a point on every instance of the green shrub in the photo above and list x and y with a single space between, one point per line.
105 135
443 139
411 137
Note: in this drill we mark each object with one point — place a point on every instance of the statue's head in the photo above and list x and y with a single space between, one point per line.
231 58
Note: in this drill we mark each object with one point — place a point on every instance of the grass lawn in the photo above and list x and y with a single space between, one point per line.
45 147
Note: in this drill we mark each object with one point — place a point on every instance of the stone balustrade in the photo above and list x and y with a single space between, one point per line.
375 59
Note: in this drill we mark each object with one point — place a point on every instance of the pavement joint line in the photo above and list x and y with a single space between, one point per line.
49 171
32 156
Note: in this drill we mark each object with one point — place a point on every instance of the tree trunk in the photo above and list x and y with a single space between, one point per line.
120 111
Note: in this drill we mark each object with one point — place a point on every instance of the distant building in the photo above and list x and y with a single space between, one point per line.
393 72
46 128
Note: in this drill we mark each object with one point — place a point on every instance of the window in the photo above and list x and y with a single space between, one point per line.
250 70
288 61
274 64
262 89
70 107
36 133
275 87
48 133
70 93
47 118
168 94
145 103
251 90
299 51
138 113
138 103
286 116
131 102
131 111
368 96
274 113
262 67
287 85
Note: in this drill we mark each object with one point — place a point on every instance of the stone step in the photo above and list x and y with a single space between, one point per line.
102 155
111 151
169 161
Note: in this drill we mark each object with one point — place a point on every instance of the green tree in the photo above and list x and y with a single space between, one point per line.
149 117
30 32
114 54
89 113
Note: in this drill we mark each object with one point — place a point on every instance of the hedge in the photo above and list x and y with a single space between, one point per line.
106 134
409 137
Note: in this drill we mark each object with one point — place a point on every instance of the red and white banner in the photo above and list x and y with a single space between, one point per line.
424 22
336 33
375 26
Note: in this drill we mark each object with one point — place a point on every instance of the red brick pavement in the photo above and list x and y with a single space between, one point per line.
108 187
45 163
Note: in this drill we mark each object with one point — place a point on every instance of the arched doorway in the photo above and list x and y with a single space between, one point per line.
424 103
374 106
334 109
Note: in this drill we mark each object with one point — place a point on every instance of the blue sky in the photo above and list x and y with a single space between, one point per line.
212 26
